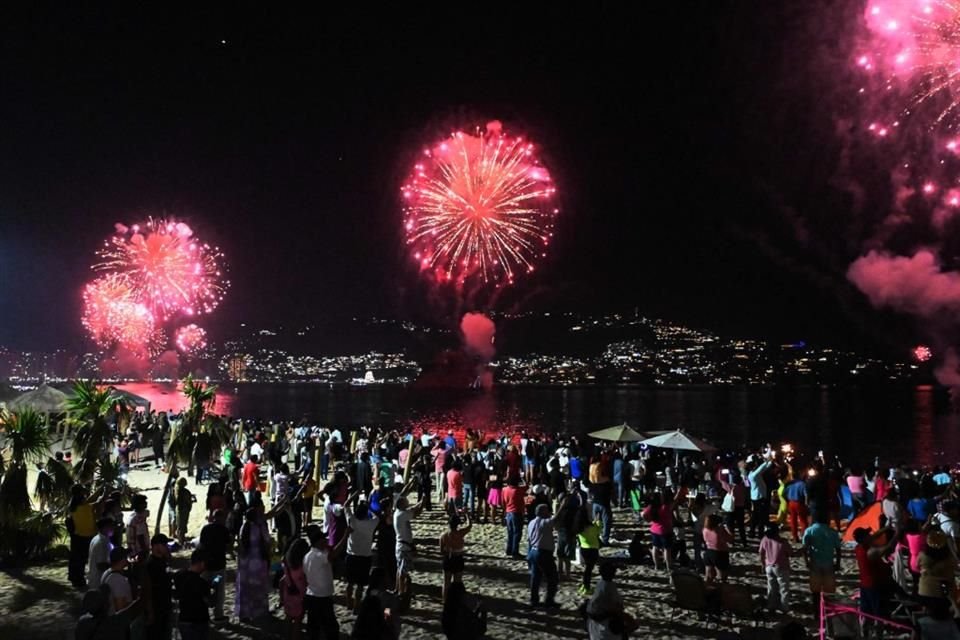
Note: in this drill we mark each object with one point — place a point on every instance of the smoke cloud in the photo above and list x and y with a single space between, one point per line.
478 335
914 285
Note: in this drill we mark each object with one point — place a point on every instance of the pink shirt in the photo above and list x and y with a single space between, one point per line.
857 484
661 522
775 552
916 543
440 461
718 540
454 483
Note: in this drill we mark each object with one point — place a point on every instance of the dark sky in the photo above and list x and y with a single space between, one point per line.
686 145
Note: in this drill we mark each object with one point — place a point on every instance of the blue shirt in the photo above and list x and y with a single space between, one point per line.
822 542
796 491
942 479
758 488
451 443
920 509
576 468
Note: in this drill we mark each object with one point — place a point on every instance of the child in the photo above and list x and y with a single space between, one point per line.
775 562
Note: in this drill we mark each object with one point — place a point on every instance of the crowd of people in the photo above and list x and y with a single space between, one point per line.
301 509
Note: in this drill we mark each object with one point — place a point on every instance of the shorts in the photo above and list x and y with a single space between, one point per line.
717 559
662 541
565 546
358 569
493 497
453 563
172 516
404 558
822 579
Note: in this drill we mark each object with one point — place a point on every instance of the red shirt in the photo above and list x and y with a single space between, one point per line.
874 572
513 463
513 498
251 476
454 483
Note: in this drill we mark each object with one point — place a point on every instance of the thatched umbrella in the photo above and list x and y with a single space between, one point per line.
43 399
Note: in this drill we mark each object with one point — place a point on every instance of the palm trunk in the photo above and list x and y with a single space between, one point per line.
166 494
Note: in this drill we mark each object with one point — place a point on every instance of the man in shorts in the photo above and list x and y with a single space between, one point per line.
821 546
402 519
361 524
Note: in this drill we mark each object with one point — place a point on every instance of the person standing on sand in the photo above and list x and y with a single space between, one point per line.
157 595
361 524
253 566
82 528
251 478
452 551
318 569
513 500
216 540
402 523
821 545
440 453
293 586
775 562
540 559
99 554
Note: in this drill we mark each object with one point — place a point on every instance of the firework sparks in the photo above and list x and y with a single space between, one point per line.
922 353
112 314
479 206
915 52
166 267
190 338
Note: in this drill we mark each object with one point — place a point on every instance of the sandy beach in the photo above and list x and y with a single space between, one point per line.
38 602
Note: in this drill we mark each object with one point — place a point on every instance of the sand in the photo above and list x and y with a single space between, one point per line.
37 601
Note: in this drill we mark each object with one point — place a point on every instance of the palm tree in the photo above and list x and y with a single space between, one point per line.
200 436
28 442
54 481
88 408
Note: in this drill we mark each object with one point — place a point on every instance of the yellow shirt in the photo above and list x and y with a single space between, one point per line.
83 523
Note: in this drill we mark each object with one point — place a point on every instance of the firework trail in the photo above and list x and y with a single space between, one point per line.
479 207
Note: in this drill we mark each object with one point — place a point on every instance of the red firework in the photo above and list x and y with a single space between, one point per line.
922 353
190 338
479 206
168 269
112 314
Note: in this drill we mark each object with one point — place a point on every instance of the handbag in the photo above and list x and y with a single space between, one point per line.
728 504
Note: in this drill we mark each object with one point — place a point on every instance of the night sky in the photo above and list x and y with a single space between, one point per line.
694 152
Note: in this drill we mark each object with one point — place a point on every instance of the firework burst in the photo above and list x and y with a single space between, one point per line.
914 50
166 267
190 338
922 353
479 206
112 314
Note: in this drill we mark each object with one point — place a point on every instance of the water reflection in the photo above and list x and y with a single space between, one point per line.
914 424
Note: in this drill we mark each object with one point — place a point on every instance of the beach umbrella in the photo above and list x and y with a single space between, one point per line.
619 433
44 399
131 399
678 440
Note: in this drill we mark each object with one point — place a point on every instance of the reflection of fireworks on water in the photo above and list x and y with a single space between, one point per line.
922 353
112 314
479 205
165 267
190 338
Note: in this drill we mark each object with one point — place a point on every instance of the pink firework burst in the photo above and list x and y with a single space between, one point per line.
479 206
165 267
112 315
922 353
190 338
914 51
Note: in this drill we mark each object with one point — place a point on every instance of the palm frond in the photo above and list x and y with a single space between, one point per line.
14 497
30 537
54 483
27 436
